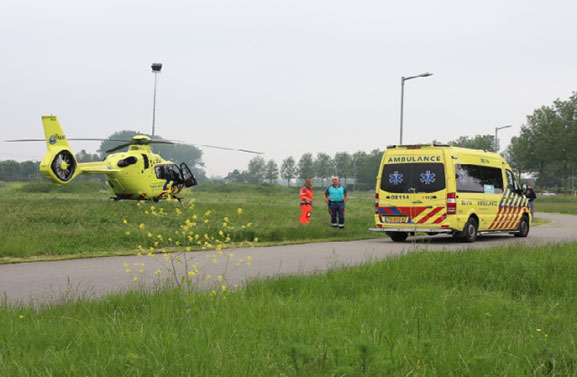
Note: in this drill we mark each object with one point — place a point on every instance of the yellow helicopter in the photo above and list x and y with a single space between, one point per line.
135 174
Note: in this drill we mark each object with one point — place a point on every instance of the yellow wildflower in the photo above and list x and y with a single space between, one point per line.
239 211
141 226
124 221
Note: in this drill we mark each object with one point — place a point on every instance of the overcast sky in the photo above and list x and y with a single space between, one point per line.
282 77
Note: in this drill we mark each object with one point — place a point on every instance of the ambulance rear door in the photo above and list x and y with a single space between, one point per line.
413 189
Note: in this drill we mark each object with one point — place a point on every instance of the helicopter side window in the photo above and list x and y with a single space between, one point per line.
145 158
174 173
159 170
168 171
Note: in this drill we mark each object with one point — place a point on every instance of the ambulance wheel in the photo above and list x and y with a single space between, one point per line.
469 233
398 236
523 230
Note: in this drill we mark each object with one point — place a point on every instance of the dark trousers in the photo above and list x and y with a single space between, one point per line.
337 210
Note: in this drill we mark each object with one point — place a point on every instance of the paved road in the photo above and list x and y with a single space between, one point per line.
48 282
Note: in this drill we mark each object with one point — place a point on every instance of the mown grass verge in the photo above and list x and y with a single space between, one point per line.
502 312
556 204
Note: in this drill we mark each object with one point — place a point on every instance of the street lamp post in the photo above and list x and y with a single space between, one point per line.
156 67
403 79
497 140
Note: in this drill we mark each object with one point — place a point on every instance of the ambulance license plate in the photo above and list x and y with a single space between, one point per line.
396 219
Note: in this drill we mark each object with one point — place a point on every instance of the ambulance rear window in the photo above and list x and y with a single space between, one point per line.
413 178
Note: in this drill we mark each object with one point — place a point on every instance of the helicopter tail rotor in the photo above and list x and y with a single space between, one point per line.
63 165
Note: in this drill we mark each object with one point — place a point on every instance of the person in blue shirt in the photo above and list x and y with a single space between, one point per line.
336 196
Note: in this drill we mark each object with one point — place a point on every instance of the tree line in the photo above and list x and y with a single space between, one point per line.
360 166
545 148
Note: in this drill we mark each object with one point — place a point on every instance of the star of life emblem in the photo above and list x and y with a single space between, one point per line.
396 178
427 177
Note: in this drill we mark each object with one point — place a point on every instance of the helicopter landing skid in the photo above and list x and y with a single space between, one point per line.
155 199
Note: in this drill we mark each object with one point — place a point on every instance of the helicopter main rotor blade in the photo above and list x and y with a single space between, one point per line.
160 142
117 148
229 149
74 139
23 140
217 147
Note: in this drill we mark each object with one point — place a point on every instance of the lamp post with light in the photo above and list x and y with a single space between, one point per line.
497 140
403 79
156 67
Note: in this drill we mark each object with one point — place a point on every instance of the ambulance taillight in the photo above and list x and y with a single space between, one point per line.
376 203
451 203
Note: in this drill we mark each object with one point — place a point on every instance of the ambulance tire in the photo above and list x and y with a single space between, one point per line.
398 236
469 233
523 230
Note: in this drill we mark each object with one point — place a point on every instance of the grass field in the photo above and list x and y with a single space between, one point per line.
499 312
556 204
43 221
38 222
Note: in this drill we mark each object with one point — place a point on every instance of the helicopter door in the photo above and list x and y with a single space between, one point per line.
187 176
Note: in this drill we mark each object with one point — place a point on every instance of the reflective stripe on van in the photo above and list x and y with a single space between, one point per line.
511 210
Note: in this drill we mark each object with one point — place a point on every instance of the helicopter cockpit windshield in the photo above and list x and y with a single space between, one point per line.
181 175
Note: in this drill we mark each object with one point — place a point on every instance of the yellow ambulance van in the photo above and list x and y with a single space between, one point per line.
441 189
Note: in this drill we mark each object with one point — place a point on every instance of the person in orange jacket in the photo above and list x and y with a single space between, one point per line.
306 196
